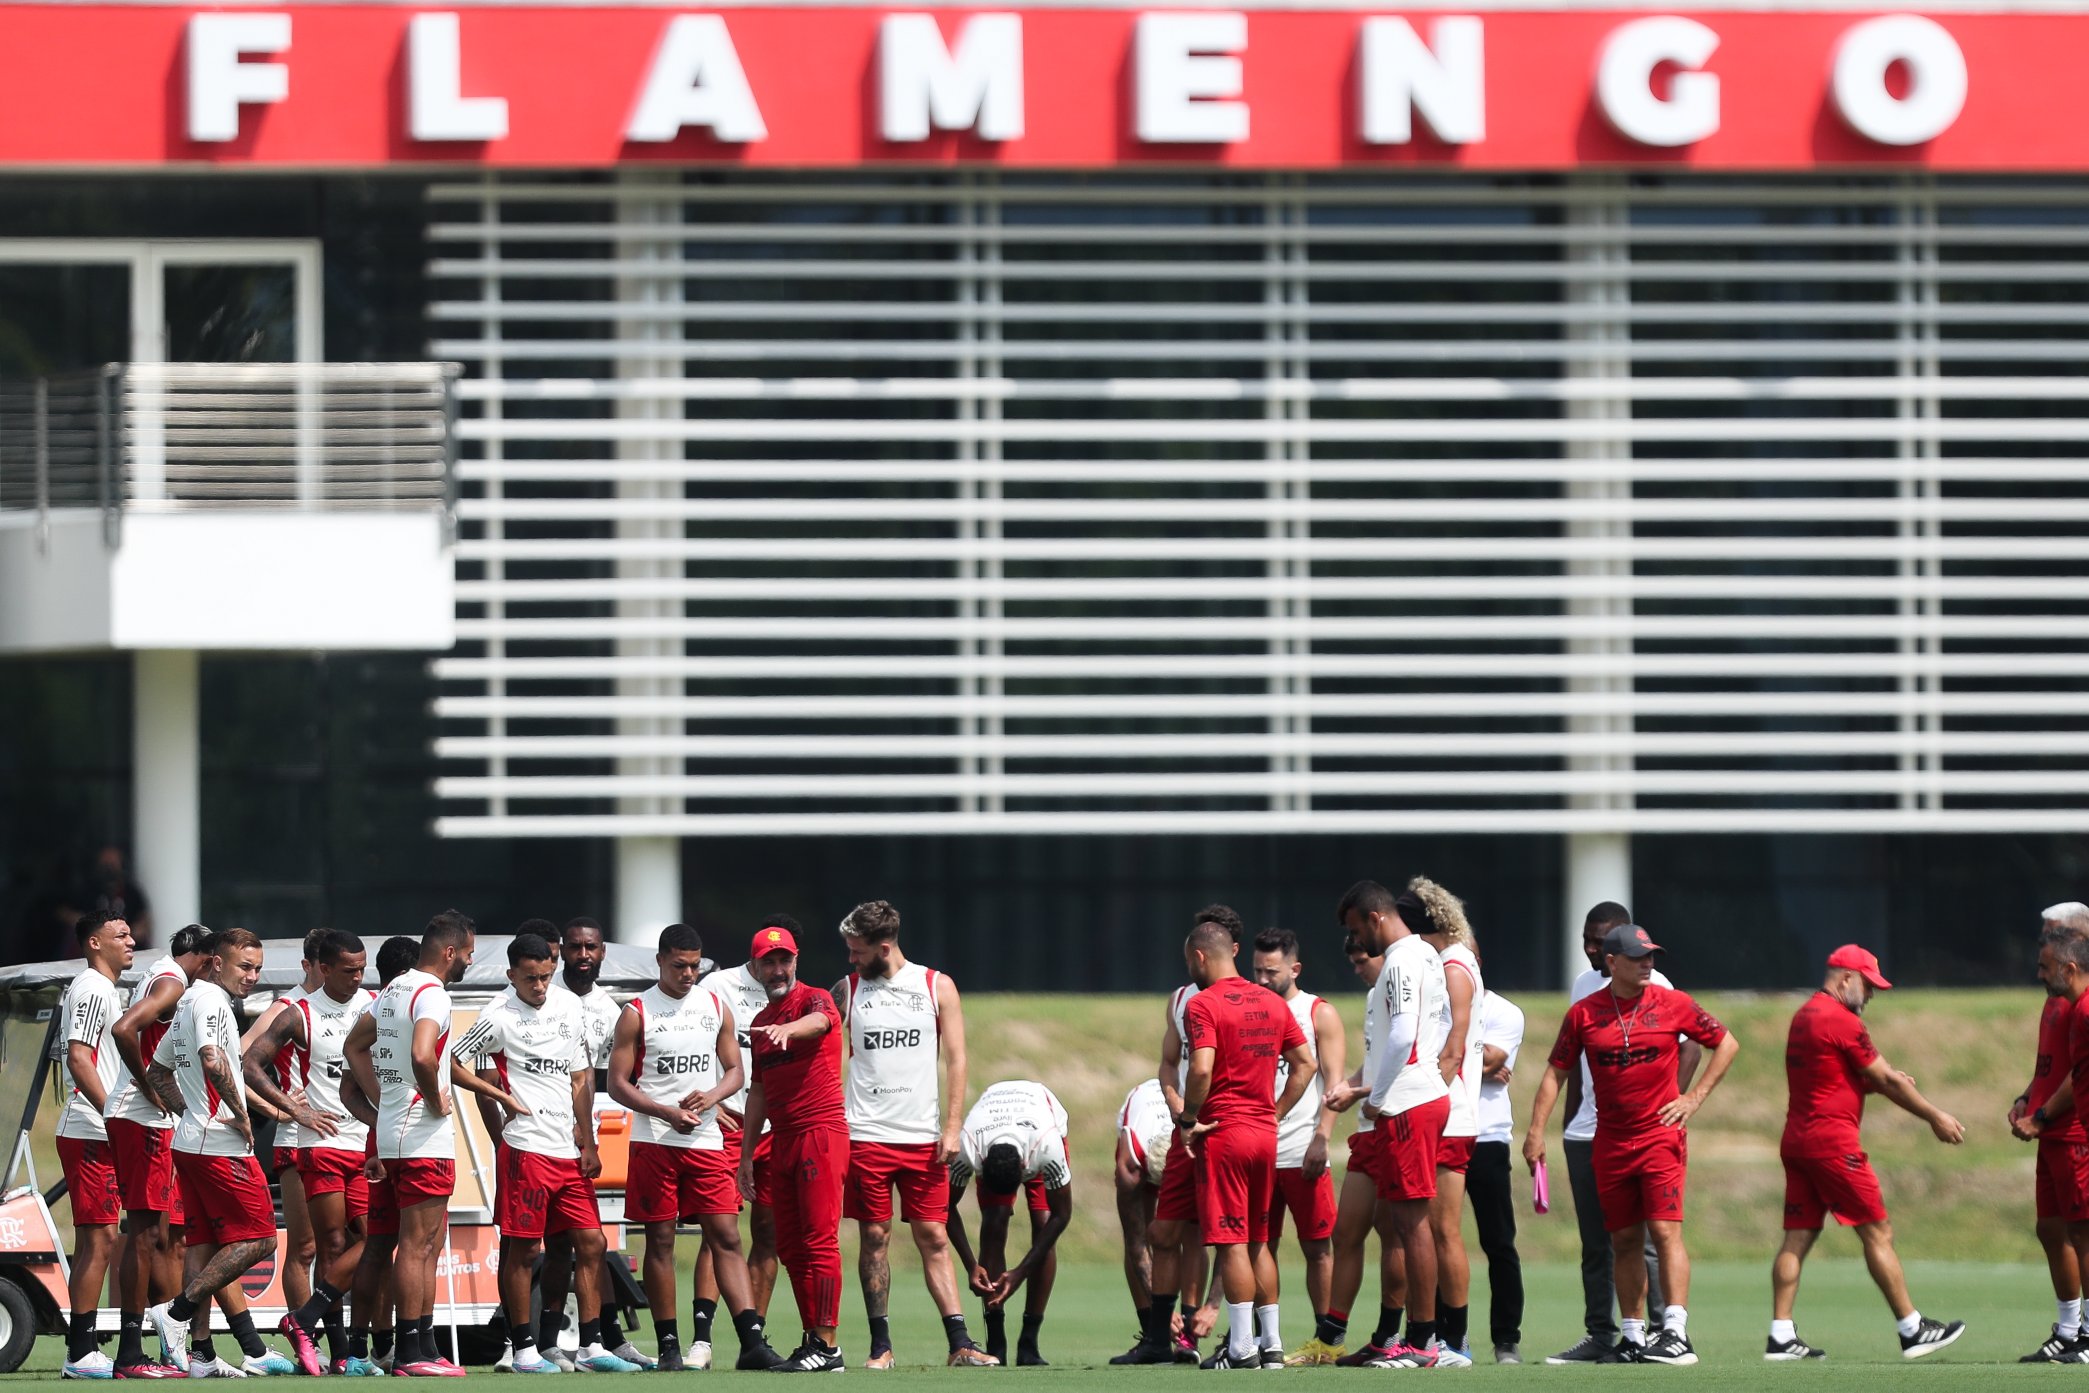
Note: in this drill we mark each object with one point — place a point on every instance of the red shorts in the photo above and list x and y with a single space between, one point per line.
1177 1201
419 1179
1816 1186
1311 1202
145 1168
543 1194
1236 1182
1367 1153
763 1194
1640 1178
328 1170
283 1161
679 1182
2063 1181
875 1168
1454 1154
1407 1165
225 1198
90 1178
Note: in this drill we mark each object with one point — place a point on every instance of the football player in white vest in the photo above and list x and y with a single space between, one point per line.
1304 1185
1359 1212
300 1247
545 1078
1014 1142
1462 1064
309 1032
87 1067
905 1029
674 1057
1144 1129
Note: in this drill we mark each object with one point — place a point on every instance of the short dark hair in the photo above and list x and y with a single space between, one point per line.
448 929
1414 913
680 938
1001 1169
1364 897
189 939
90 924
529 948
542 928
1277 941
334 945
784 922
1225 918
578 924
1607 915
1211 939
873 921
398 954
313 942
227 940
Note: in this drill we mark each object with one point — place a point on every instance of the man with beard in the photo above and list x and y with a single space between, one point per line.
2061 1174
87 1071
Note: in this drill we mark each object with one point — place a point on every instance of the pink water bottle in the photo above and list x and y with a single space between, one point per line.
1541 1189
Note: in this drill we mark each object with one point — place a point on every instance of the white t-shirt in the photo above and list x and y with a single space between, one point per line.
406 1126
1374 1035
535 1051
743 995
89 1008
129 1103
204 1017
678 1056
1147 1126
1295 1128
1500 1025
321 1064
1025 1115
1412 984
1464 1120
1178 1008
1582 1126
598 1017
894 1089
289 1067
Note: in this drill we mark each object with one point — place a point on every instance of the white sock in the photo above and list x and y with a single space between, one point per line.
1240 1328
1633 1330
2069 1317
1783 1331
1910 1325
528 1351
1266 1324
1677 1319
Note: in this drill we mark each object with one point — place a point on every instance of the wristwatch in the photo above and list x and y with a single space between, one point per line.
1187 1121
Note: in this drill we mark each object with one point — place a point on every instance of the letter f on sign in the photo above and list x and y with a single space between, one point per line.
219 81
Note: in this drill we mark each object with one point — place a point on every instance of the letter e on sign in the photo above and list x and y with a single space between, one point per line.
1189 77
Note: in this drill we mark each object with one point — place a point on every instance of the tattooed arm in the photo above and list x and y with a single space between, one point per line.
217 1067
159 1082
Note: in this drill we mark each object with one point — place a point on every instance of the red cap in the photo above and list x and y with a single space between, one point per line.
773 941
1862 961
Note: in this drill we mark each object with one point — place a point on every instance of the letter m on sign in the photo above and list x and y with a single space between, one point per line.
925 86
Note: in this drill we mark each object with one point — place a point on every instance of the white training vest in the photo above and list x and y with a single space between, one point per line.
1148 1127
1295 1128
1464 1120
288 1067
1178 1011
677 1056
1374 1035
327 1023
745 997
407 1127
129 1103
86 1013
894 1089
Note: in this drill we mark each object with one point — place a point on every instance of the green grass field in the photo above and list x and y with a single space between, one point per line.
1963 1215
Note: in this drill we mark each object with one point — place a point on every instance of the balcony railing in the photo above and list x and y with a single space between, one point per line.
166 436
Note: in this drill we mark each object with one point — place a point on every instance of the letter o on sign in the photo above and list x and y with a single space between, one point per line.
1936 79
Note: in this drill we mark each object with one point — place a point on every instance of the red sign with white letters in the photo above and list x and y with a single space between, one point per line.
367 86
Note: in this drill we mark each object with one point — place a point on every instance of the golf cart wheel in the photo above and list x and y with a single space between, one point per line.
17 1325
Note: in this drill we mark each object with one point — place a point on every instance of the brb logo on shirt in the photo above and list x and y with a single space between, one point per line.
892 1039
671 1064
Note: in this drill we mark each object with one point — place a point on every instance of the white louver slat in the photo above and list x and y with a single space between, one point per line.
1173 503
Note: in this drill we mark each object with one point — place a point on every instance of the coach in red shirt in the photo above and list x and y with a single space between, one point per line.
1236 1032
1630 1031
797 1089
1829 1065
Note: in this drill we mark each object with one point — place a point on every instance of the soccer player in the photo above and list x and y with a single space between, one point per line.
538 1050
230 1221
901 1020
87 1072
1447 931
309 1032
371 1332
1304 1186
1640 1152
675 1057
1230 1106
1015 1141
1360 1211
141 1135
1598 1290
1829 1065
1175 1218
1144 1129
797 1086
2062 1170
743 994
399 1050
1487 1180
300 1246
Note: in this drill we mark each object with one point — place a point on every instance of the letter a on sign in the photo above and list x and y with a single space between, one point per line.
923 86
696 80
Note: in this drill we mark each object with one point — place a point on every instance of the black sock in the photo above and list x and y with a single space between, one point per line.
549 1324
409 1350
130 1340
313 1312
1331 1328
591 1333
519 1339
1032 1322
1160 1316
181 1310
1388 1332
336 1333
1420 1333
1452 1319
749 1325
242 1328
358 1343
202 1349
955 1334
79 1335
382 1343
880 1334
667 1332
703 1313
997 1330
